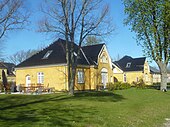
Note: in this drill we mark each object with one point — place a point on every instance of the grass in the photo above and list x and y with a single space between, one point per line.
131 107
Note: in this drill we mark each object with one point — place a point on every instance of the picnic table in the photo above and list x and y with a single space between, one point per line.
38 89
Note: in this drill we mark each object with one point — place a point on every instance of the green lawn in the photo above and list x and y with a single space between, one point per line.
132 107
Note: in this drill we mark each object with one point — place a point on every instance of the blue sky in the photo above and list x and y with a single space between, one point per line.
122 41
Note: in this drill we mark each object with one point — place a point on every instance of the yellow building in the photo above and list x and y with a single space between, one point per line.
8 68
49 67
130 70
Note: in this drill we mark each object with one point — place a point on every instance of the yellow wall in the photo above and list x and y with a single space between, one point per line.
54 76
87 80
133 76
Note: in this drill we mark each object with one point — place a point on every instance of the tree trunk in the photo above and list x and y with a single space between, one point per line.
163 81
72 68
163 71
72 80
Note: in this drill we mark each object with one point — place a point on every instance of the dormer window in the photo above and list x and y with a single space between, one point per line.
47 54
128 65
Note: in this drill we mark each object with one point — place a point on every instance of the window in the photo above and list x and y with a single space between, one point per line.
146 78
80 76
137 79
128 65
104 59
40 77
124 78
47 54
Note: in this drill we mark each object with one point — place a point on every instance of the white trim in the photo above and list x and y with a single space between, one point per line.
117 67
132 71
109 58
54 65
40 77
84 56
40 66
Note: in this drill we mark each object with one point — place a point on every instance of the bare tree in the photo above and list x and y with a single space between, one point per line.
117 57
20 56
91 40
12 17
75 20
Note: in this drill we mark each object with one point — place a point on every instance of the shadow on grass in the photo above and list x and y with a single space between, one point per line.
52 110
102 96
18 101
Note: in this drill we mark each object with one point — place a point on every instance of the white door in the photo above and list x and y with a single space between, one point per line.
28 80
104 79
104 76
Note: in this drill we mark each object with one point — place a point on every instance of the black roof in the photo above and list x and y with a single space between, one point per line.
135 64
92 52
58 55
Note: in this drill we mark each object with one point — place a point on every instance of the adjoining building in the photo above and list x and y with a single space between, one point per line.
8 68
129 69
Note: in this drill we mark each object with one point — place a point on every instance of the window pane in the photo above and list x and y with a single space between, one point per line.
80 77
40 77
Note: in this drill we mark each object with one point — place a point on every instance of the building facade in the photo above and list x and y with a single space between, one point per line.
49 67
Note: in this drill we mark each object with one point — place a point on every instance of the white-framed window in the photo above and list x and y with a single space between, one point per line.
104 59
47 54
124 78
137 79
40 77
128 65
146 78
80 76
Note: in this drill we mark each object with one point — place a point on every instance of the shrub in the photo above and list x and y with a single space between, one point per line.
140 84
125 85
117 86
1 87
110 86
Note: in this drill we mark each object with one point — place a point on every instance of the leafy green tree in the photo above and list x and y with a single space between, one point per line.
150 20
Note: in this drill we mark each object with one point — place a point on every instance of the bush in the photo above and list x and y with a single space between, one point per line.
125 85
110 86
117 86
1 87
139 84
11 86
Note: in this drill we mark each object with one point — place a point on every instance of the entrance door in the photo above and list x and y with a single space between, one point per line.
104 77
28 80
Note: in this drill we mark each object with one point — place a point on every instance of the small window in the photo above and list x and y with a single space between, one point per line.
40 77
124 78
80 76
47 54
104 59
137 79
128 65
